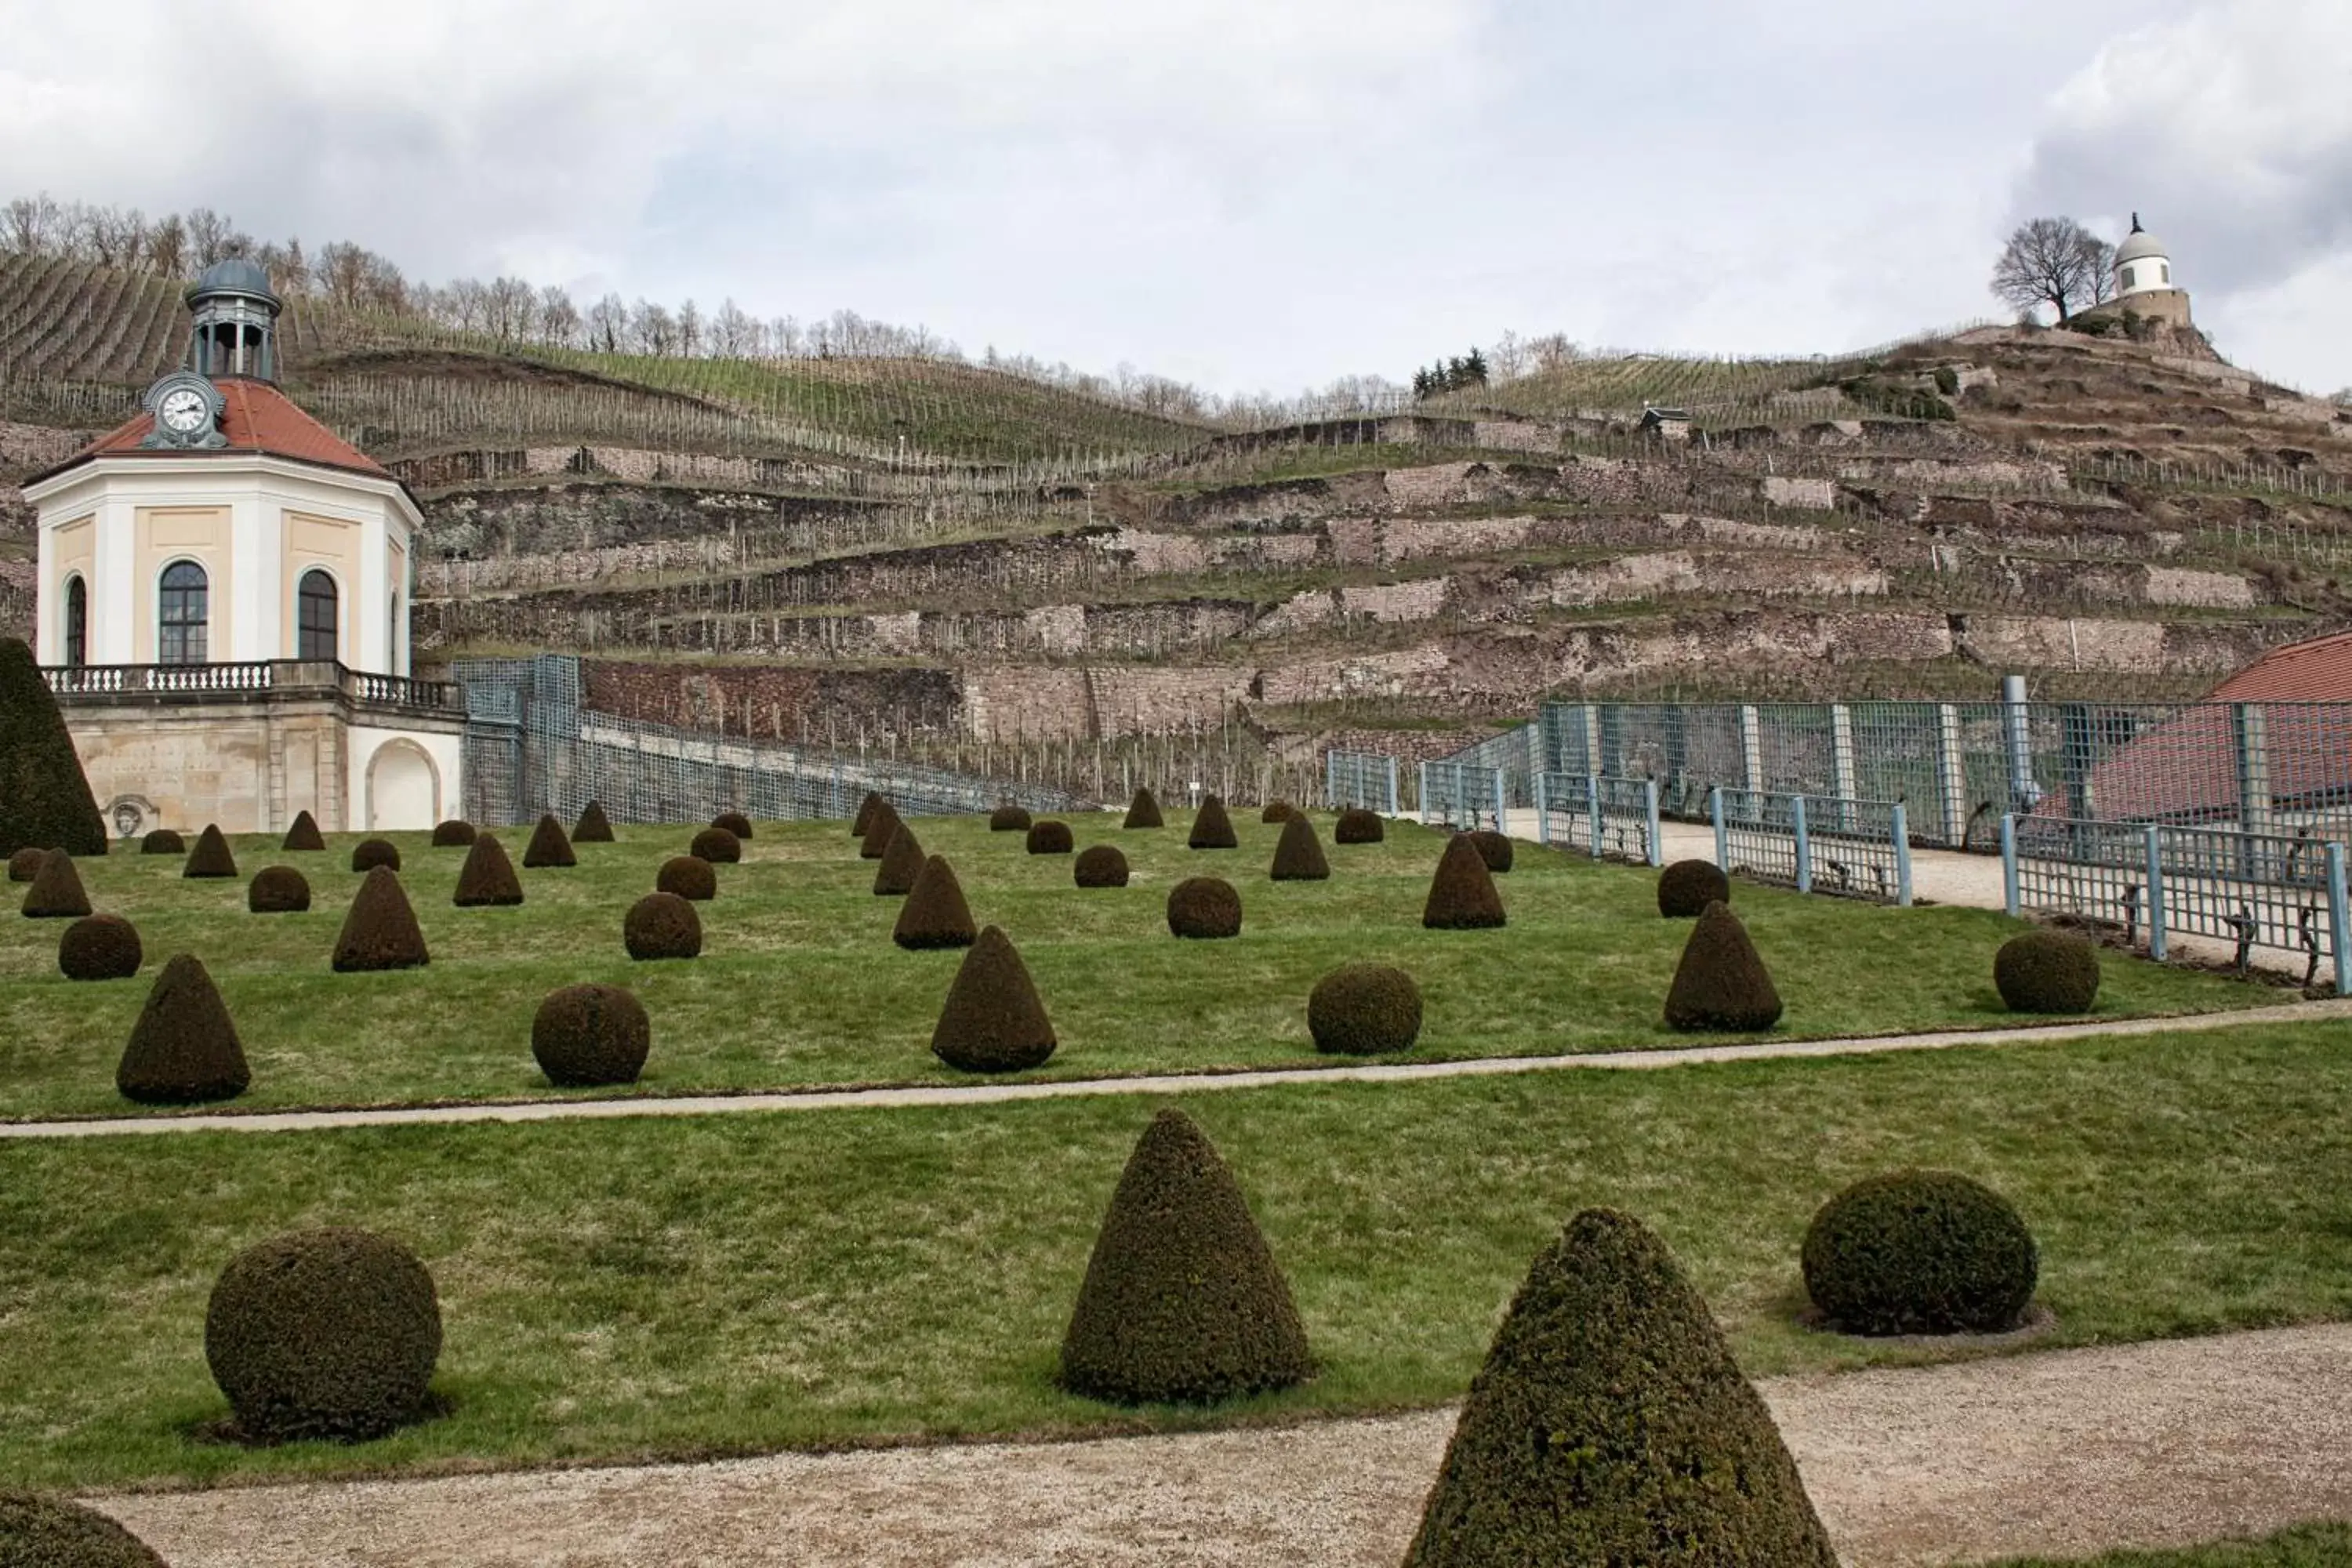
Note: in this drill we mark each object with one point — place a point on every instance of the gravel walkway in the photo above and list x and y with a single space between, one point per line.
2064 1452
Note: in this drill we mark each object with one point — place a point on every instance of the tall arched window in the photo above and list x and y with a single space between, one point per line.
314 616
182 614
77 622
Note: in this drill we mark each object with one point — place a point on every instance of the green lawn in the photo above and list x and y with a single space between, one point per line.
800 984
650 1286
2310 1546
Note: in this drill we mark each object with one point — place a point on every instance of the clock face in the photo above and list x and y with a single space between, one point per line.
184 410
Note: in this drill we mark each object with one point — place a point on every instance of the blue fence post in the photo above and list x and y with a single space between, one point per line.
1649 809
1330 781
2009 899
1902 856
1543 810
1392 787
2339 921
1722 832
2156 923
1592 810
1424 794
1804 844
1502 803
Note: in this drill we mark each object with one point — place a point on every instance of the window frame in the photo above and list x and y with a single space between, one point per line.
191 634
77 621
304 629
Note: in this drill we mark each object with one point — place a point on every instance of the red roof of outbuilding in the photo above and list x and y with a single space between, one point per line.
2318 670
255 418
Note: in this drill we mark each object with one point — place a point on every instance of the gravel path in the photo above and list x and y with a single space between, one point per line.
2062 1452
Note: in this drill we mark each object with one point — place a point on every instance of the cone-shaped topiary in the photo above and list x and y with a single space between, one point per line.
1298 857
211 856
25 864
662 925
734 822
877 842
717 846
100 947
303 834
44 799
1100 866
487 879
56 893
1495 848
548 848
1183 1302
278 891
1009 818
1461 895
370 852
50 1532
935 914
865 817
1359 825
381 931
1611 1425
1212 828
162 841
1920 1252
1204 907
690 877
902 862
2047 972
993 1020
1721 982
1364 1009
1277 811
456 833
184 1049
1687 886
589 1035
324 1333
594 827
1143 811
1050 838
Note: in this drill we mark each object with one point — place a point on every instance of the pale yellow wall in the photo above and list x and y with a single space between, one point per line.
162 534
334 544
75 544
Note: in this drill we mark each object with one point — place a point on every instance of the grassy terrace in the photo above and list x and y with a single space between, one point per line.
645 1287
2312 1546
799 983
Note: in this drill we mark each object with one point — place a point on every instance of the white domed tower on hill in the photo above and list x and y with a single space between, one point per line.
2143 285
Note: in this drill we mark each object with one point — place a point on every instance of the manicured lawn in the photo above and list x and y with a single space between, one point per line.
800 984
649 1287
2311 1546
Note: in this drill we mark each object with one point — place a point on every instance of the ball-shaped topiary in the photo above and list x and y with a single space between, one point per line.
935 914
902 862
1298 857
1143 811
1204 907
211 856
25 864
717 846
183 1051
487 879
381 931
662 925
278 891
1720 983
2047 972
324 1333
100 947
1687 886
594 827
50 1532
1359 825
162 841
992 1020
734 822
548 848
588 1035
1363 1010
1212 828
1050 838
456 833
1461 893
1495 848
1100 866
1277 811
303 834
370 852
690 877
1009 818
56 891
1920 1252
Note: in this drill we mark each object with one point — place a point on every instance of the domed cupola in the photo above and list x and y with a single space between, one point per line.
235 316
2143 266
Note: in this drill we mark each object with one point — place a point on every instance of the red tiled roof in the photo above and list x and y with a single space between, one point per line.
256 417
2318 670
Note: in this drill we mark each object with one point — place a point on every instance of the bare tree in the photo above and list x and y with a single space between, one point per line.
559 317
2054 260
32 226
167 247
608 324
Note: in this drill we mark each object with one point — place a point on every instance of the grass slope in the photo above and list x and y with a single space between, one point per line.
2309 1546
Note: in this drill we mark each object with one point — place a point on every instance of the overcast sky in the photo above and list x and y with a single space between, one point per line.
1246 194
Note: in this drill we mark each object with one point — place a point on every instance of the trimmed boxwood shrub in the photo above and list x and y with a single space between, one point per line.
50 1532
183 1051
690 877
162 841
587 1035
1183 1301
456 833
100 947
278 891
1920 1252
734 822
324 1333
1364 1010
594 827
2047 972
1050 838
487 879
717 846
381 931
1100 866
1204 907
935 914
1720 982
1143 811
993 1020
548 848
877 842
25 864
662 925
1687 886
56 893
1212 828
1359 825
1277 811
1495 848
865 817
1610 1424
370 852
1009 819
902 862
211 856
1461 895
1298 857
44 799
303 834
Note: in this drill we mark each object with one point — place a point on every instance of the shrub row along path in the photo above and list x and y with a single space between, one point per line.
2064 1452
1153 1084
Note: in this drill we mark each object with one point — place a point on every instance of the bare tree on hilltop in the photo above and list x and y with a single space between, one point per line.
2056 261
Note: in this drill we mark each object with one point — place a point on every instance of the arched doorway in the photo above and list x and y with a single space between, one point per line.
403 788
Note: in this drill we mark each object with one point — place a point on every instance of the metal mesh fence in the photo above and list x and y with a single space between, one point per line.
1609 819
1463 794
1360 778
1853 849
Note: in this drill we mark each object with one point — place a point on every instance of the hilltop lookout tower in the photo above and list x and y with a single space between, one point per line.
2143 283
222 603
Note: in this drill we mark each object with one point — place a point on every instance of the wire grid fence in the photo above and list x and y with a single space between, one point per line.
1607 819
1462 794
1360 778
1851 849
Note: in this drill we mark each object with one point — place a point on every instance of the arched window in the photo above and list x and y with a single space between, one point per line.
182 614
314 607
77 622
